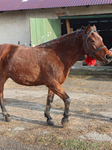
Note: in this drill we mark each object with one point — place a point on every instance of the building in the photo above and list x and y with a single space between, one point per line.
37 21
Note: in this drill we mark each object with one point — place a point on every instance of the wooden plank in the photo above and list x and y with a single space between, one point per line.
68 25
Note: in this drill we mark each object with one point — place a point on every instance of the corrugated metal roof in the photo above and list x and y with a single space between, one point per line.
7 5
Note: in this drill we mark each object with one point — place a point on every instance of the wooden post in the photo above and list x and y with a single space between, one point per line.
68 25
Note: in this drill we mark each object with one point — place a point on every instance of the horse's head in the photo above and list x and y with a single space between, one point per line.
94 46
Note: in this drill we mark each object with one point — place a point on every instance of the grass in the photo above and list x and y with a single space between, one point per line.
75 144
53 141
59 141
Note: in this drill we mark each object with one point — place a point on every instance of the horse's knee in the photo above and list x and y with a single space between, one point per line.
51 98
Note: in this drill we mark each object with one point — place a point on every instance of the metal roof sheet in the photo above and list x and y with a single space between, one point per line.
7 5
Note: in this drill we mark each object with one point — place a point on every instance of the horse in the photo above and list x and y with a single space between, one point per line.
49 64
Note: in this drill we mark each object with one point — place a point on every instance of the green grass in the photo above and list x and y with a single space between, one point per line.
62 142
75 144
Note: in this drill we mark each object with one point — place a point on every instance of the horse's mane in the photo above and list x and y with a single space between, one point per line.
78 31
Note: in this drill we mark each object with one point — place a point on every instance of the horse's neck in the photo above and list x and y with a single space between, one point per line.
70 52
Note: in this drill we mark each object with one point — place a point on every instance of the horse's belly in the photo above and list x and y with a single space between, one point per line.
24 79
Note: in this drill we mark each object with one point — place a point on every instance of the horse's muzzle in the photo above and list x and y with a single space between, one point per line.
108 58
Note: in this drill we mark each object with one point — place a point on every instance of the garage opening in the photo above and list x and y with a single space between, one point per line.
104 27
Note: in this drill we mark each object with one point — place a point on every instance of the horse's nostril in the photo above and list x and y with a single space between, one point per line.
108 57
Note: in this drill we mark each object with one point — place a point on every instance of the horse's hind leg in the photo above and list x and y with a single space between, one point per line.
48 106
4 112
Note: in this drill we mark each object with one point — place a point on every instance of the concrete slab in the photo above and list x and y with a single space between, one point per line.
96 136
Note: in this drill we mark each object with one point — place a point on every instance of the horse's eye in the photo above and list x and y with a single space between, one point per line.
91 40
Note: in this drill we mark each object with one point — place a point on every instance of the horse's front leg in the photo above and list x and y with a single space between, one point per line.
48 106
66 110
57 89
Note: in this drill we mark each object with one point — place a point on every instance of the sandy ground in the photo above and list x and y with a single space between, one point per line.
90 109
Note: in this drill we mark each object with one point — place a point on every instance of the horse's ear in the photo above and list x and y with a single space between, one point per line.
94 27
88 29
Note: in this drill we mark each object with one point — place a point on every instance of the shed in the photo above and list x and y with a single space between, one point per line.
37 21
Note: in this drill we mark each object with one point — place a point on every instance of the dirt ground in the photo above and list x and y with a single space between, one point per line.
90 126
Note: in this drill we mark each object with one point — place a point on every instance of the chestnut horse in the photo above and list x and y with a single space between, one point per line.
49 64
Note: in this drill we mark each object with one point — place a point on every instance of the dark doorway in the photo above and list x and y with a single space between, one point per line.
104 27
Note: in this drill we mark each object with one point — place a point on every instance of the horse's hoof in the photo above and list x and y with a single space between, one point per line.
49 122
8 118
64 122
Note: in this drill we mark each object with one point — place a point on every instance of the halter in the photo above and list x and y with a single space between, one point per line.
85 41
